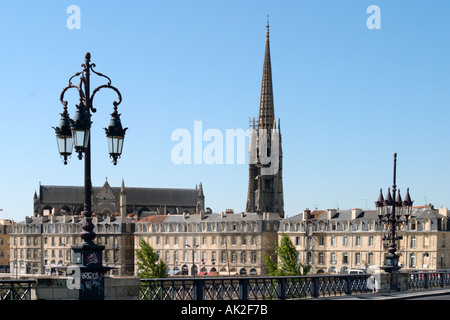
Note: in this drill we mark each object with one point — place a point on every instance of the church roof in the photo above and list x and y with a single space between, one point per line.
51 194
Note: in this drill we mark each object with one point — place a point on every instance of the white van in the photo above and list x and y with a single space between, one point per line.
356 271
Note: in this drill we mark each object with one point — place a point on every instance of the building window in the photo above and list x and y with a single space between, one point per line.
253 256
345 258
413 225
357 258
321 226
333 258
223 256
321 241
412 260
427 224
413 241
345 226
333 241
297 241
371 243
358 241
345 241
321 258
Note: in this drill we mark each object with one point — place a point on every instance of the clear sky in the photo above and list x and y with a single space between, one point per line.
348 96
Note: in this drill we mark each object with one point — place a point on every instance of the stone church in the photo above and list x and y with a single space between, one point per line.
126 201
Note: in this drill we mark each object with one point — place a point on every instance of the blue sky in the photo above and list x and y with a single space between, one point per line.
348 97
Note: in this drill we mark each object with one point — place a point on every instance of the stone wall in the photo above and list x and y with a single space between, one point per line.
55 288
383 282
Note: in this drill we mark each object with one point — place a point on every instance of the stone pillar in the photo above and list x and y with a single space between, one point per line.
89 268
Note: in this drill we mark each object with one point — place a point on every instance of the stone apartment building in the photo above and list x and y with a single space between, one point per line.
335 241
42 245
5 227
211 244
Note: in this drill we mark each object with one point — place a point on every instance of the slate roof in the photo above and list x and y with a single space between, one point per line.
50 194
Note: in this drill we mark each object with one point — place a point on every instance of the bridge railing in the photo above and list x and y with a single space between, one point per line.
254 288
428 279
19 289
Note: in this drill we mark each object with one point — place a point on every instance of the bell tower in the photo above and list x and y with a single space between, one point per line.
265 187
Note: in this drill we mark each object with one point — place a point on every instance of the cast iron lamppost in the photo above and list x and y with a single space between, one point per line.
393 215
194 267
75 134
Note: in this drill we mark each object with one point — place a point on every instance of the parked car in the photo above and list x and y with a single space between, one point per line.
356 271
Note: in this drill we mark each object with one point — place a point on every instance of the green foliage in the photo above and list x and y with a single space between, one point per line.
148 263
288 264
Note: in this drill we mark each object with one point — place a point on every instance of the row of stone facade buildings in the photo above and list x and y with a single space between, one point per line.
334 241
195 241
331 241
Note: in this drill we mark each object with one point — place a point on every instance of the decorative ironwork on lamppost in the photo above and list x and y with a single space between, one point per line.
392 216
75 134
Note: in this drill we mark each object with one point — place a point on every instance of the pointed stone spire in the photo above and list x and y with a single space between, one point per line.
200 190
266 109
200 199
123 201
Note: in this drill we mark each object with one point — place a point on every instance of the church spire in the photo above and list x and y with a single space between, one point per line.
266 109
265 190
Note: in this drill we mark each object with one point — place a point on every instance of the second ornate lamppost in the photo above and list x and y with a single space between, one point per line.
393 214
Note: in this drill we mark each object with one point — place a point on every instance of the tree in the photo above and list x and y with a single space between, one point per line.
288 264
148 263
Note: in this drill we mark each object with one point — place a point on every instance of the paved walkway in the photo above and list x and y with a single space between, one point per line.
392 296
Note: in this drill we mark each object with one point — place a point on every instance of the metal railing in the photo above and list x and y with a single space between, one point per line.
15 289
254 288
428 280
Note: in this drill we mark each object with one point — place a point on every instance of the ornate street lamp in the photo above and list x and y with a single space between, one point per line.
393 215
115 135
75 133
64 136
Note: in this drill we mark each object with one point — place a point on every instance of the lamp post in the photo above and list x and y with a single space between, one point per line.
194 267
75 134
393 213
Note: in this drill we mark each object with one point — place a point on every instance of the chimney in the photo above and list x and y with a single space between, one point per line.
355 213
443 211
306 214
222 214
330 213
202 214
